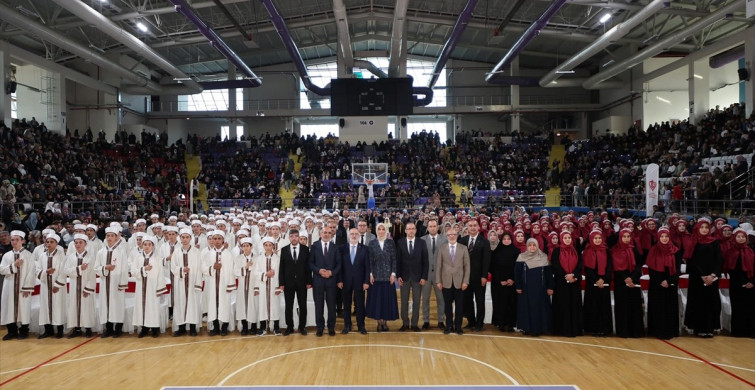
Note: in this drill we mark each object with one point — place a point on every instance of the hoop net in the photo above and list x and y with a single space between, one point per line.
369 182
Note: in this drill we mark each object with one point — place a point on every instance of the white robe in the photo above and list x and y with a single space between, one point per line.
80 311
166 255
268 301
52 305
149 286
246 303
113 284
187 287
16 307
220 284
200 241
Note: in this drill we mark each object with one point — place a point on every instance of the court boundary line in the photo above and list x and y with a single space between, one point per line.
425 333
488 365
709 363
48 361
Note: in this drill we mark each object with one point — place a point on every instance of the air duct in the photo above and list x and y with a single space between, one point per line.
531 33
662 45
370 67
605 40
729 56
216 41
91 16
60 40
453 40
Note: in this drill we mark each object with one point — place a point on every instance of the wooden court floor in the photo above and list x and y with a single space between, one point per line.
489 357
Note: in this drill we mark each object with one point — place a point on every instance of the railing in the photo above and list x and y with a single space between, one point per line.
96 207
260 106
684 206
737 185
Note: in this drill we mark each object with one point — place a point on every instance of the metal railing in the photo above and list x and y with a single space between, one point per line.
110 208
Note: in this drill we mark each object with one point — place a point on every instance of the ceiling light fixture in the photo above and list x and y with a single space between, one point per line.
697 76
141 26
663 100
605 18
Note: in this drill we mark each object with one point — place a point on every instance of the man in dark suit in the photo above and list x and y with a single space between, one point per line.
479 263
295 278
325 266
365 236
411 269
452 267
354 279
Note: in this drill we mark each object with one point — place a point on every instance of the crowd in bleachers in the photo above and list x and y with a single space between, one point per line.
57 176
701 157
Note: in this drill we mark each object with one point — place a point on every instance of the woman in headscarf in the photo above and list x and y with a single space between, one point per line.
738 263
703 312
538 235
552 243
381 297
663 292
609 234
567 290
627 294
520 242
503 255
727 237
534 286
597 318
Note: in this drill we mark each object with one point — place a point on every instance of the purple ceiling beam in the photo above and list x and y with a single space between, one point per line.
217 42
453 40
531 33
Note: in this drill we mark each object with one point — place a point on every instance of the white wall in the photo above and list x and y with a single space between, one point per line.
719 77
31 102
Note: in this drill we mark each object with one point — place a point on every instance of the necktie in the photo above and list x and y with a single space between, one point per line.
411 247
453 253
326 250
361 240
294 254
353 254
471 243
433 245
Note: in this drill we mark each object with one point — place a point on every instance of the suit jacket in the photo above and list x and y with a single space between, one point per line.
440 240
414 266
357 274
294 273
452 273
318 261
479 257
368 236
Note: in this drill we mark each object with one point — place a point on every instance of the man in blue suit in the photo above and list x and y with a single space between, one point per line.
412 268
354 279
325 266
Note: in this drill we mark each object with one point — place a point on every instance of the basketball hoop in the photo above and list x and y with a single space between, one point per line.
369 182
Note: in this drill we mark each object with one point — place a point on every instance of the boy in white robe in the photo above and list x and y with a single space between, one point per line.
267 290
246 304
19 269
79 268
52 291
186 267
112 265
220 283
147 268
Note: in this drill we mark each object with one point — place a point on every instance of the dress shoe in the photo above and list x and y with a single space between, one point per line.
213 332
331 332
319 333
441 325
416 329
179 332
44 335
478 328
287 331
224 331
88 333
10 336
261 332
106 334
426 326
76 333
379 328
345 331
276 332
403 328
193 332
142 332
469 326
303 332
363 331
448 330
155 332
460 332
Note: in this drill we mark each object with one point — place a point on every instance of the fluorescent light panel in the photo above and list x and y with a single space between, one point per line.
605 18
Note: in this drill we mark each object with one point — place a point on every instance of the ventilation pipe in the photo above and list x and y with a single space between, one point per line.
453 40
662 45
91 16
532 31
605 40
217 42
370 67
11 16
729 56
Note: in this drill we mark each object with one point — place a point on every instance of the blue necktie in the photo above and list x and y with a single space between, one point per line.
353 254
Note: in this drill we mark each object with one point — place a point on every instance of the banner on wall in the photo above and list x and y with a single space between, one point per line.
651 188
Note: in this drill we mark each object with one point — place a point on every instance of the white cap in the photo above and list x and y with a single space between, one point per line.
112 230
196 222
242 231
157 225
184 231
247 240
79 226
148 237
140 220
268 239
154 216
173 218
80 236
53 236
219 222
115 225
47 232
218 233
171 229
92 226
18 233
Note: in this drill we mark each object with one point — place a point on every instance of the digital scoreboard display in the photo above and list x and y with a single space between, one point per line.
361 97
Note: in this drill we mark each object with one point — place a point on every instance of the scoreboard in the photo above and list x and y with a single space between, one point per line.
361 97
